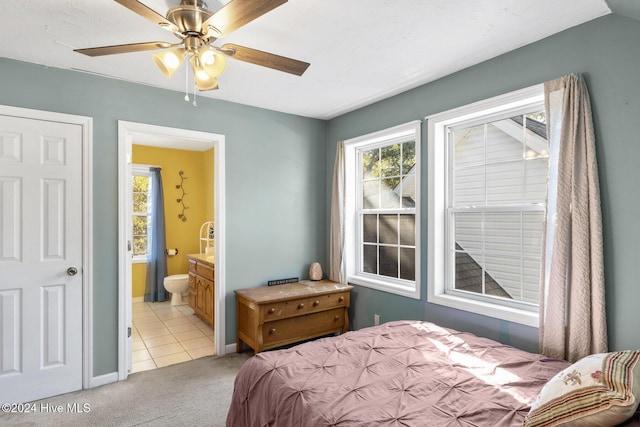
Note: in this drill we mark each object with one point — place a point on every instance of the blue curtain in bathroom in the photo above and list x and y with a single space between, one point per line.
157 256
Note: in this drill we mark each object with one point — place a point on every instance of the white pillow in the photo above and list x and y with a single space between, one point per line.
600 390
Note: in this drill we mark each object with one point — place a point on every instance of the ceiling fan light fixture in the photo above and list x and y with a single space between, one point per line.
209 83
203 80
168 61
202 76
212 62
207 56
197 27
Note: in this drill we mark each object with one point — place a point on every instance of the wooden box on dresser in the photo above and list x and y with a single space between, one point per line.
273 316
201 286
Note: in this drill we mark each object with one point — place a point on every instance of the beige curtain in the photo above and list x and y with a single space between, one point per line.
337 266
572 304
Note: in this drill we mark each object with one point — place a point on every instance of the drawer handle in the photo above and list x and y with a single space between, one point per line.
341 299
336 318
301 305
272 331
273 310
316 303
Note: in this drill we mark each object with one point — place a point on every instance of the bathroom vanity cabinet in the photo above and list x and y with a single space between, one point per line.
201 286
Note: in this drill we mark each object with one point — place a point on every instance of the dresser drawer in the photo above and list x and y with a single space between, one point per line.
281 310
324 302
298 328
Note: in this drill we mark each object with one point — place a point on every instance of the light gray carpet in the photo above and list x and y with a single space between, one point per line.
195 393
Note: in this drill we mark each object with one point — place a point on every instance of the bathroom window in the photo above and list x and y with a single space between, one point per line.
142 208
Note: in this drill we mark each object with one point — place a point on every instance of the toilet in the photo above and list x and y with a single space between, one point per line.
178 285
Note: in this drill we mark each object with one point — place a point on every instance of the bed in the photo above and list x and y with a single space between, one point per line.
403 373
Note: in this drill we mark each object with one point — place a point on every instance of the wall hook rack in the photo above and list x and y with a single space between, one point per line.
180 200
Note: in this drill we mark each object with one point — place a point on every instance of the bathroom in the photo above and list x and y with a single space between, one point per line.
163 333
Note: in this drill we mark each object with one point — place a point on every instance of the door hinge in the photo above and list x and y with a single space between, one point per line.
129 332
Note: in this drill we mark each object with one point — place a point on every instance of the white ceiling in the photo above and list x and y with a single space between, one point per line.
360 51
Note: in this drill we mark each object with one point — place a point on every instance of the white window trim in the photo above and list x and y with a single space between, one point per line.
136 170
437 154
401 287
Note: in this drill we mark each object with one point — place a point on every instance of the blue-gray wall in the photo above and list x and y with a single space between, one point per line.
274 179
606 51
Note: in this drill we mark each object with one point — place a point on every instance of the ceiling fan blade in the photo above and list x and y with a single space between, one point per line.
123 48
237 13
265 59
148 13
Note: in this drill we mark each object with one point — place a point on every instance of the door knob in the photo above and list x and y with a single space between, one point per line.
72 271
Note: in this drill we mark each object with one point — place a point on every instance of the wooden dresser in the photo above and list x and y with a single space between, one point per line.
273 316
201 286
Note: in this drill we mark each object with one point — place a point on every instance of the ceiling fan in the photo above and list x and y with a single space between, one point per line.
197 28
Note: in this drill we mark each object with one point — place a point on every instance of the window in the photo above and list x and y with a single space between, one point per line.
141 221
488 163
382 204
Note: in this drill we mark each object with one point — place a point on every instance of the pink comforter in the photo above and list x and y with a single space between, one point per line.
404 373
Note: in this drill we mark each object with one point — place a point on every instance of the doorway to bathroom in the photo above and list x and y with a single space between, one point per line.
155 334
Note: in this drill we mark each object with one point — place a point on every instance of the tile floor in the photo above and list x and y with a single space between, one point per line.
164 334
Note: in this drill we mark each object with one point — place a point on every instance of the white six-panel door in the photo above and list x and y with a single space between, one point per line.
40 258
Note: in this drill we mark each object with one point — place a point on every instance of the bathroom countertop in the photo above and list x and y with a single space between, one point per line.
207 259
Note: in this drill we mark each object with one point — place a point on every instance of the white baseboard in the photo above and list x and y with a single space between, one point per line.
104 379
229 349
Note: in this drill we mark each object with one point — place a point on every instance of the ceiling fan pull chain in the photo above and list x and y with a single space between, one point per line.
186 84
195 104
